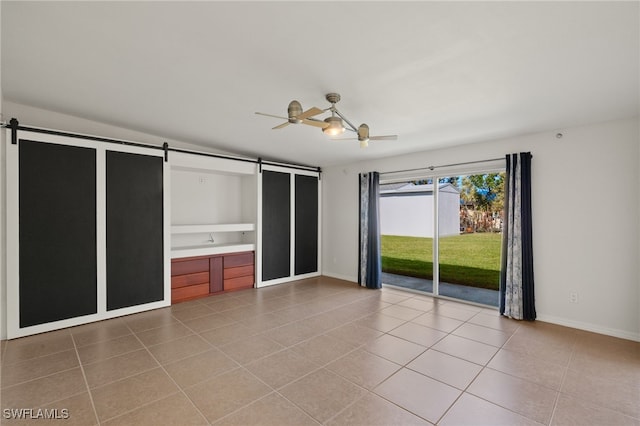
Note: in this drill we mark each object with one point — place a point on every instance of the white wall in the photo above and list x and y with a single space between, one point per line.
404 215
582 241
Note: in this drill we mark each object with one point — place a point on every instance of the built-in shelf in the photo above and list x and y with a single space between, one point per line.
209 249
218 227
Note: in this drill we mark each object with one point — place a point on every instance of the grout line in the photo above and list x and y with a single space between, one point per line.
180 390
86 382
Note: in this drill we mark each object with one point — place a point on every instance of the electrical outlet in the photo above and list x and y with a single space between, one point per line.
573 297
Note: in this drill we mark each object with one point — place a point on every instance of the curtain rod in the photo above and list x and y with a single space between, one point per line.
15 126
443 165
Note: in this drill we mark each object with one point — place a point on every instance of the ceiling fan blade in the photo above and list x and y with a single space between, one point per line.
384 138
271 115
280 126
309 113
316 123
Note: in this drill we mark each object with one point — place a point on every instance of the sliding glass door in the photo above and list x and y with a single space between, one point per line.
444 238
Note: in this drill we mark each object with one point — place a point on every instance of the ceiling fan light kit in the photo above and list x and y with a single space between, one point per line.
331 126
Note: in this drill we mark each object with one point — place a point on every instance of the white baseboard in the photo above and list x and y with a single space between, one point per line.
622 334
340 277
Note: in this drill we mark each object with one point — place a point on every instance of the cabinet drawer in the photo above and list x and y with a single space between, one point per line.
237 283
239 271
240 259
189 292
189 279
189 266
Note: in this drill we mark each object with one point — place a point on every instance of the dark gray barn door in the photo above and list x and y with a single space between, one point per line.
135 261
276 225
306 224
57 234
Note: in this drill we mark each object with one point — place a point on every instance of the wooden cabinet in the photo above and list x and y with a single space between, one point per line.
194 277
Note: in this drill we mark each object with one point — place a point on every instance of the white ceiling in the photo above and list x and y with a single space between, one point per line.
435 73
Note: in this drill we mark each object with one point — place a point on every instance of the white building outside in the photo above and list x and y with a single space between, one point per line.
407 210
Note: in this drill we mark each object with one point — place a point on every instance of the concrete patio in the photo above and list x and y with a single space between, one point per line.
471 294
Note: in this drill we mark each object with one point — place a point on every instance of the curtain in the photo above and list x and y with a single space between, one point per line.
516 275
370 265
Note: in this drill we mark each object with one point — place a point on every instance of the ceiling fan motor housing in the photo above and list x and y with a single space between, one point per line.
294 110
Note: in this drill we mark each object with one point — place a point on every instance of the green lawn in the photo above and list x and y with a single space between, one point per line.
469 259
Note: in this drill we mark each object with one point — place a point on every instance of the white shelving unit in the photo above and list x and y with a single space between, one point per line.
213 228
227 238
213 205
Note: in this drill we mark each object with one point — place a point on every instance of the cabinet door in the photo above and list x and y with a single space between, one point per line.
276 225
57 233
306 224
135 262
216 281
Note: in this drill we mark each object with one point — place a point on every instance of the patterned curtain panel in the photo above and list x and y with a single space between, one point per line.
370 265
516 277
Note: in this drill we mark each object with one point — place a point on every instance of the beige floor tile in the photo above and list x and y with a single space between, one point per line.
173 410
109 348
452 311
548 352
439 322
163 334
409 390
482 334
99 331
363 368
371 410
401 312
525 398
609 363
380 322
419 303
355 334
291 334
174 350
226 393
251 348
469 350
281 368
224 304
39 345
198 368
271 410
573 412
448 369
150 319
73 411
496 321
208 322
109 370
264 322
395 349
193 312
119 397
419 334
226 334
38 392
529 368
321 394
323 349
20 372
394 297
606 393
548 334
473 411
323 322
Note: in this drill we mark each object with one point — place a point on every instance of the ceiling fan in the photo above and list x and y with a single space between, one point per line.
332 126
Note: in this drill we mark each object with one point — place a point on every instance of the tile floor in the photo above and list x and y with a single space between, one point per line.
322 351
